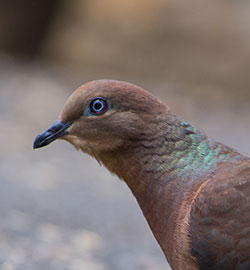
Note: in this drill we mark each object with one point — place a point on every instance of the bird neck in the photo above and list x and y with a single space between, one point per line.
171 151
162 168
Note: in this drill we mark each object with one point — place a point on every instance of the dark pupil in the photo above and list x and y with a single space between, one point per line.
98 105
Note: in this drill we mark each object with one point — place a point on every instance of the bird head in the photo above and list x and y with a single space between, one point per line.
103 116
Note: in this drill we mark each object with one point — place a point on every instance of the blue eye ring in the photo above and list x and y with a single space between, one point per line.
98 106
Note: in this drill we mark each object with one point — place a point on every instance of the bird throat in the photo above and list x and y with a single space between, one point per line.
172 156
169 163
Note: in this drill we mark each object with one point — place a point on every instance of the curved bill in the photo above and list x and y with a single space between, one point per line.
57 130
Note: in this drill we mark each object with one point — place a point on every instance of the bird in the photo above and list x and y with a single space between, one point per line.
193 191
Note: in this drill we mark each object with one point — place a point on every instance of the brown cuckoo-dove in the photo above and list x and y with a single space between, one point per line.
193 191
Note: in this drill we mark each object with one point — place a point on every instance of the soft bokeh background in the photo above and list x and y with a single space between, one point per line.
58 208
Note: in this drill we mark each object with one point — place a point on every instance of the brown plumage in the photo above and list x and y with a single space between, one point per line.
193 191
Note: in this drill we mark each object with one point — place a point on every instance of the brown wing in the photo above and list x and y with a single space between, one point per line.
220 220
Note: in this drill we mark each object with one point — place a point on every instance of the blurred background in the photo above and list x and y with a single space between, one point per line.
58 208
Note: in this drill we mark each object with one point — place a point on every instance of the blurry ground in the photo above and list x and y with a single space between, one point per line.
58 208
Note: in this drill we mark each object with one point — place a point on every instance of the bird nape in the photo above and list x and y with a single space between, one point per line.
193 191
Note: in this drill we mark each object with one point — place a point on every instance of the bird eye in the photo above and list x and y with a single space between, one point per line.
98 106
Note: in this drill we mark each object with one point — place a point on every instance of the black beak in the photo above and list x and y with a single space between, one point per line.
57 130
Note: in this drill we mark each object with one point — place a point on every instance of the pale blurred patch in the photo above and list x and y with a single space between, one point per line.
6 266
86 241
79 264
